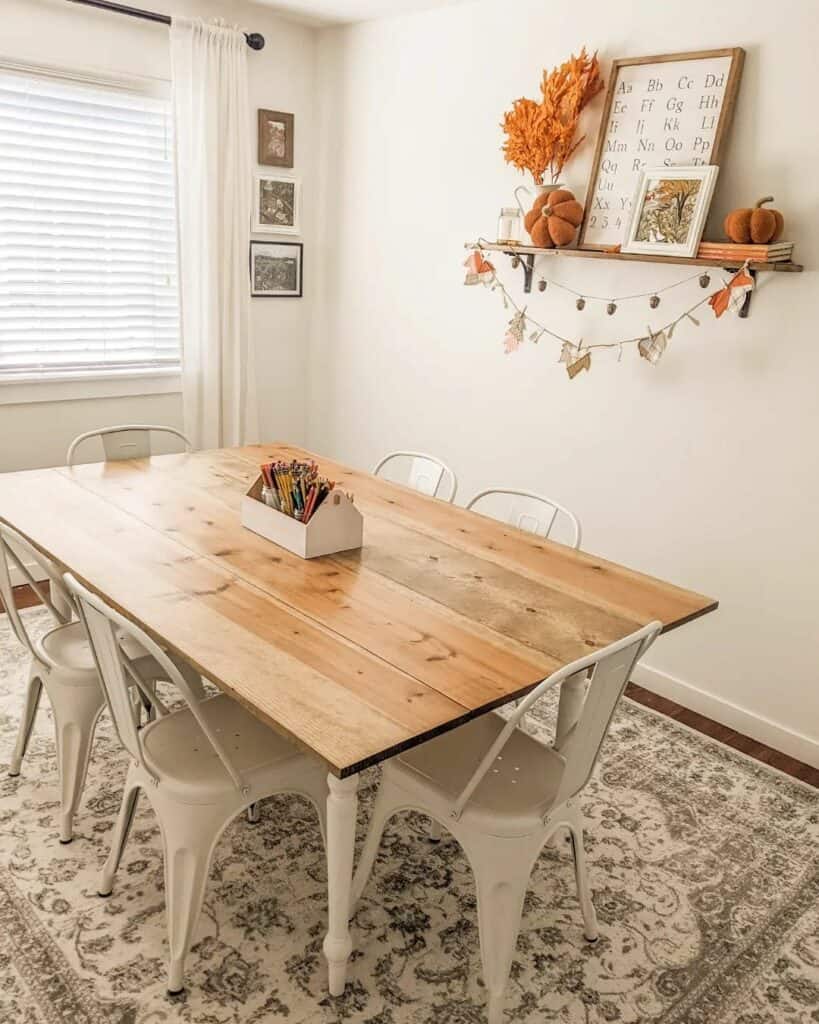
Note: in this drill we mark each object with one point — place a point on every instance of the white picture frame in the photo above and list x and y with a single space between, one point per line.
276 204
666 218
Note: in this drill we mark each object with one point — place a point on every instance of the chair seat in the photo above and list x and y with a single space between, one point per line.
516 792
188 767
67 647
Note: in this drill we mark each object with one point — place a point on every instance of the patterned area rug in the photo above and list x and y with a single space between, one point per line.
704 867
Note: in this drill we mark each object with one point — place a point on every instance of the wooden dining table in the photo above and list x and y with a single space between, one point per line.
441 616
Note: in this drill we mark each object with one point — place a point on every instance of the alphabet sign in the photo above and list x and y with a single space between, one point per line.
672 110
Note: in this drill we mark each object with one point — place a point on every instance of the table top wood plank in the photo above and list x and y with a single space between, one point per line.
624 591
447 652
271 660
442 615
558 625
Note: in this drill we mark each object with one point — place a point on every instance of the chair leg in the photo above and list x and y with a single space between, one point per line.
383 809
254 813
502 869
189 837
32 701
76 710
434 833
582 877
127 811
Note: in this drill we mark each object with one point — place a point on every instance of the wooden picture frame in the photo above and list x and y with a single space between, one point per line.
276 138
712 109
269 281
276 204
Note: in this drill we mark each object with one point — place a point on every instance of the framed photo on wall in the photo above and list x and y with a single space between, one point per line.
673 109
276 269
276 204
276 138
669 210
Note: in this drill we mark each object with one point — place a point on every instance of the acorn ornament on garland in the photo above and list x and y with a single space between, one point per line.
758 225
554 219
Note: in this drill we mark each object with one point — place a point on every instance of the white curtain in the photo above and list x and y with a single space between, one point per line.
213 168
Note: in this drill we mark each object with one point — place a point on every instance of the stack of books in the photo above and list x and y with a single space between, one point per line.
776 252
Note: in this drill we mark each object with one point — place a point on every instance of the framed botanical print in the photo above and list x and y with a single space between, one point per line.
276 269
276 138
276 204
669 209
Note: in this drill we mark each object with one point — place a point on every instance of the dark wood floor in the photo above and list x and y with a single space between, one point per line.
774 758
731 738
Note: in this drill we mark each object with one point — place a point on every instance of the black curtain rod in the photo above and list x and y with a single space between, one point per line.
254 40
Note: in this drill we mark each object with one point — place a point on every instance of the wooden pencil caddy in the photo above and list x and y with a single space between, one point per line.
336 525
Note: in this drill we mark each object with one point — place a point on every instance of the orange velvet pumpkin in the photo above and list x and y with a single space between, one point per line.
554 219
758 225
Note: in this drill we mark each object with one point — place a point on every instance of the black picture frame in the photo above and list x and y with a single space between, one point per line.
274 251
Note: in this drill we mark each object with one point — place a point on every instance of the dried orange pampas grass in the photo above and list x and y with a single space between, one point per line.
540 136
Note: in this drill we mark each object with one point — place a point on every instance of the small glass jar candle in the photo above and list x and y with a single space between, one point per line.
509 226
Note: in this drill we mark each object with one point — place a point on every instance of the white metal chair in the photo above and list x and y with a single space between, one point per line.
61 662
125 441
199 767
424 473
531 513
502 794
528 511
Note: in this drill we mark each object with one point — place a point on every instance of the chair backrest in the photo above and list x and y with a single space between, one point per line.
106 629
528 511
18 555
421 472
607 672
125 441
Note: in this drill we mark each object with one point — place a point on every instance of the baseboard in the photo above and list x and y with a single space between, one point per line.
759 728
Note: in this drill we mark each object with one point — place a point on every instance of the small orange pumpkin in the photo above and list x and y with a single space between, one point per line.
554 219
757 225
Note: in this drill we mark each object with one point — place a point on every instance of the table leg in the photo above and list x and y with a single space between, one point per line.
572 695
342 803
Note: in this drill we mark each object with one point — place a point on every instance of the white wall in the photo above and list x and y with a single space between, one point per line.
281 77
702 470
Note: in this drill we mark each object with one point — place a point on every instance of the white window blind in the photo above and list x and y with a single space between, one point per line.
88 269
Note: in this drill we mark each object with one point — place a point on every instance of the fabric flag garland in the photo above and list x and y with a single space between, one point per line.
514 333
575 361
652 347
733 294
577 356
478 270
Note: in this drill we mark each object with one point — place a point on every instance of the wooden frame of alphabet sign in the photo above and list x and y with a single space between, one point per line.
673 110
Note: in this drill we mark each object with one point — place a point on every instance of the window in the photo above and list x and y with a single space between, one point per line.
88 269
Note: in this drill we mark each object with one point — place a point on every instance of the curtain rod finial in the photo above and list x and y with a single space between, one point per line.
255 41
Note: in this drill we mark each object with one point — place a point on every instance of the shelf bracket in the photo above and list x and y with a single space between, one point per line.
527 261
745 309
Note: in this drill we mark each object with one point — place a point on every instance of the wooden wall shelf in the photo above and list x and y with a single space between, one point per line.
526 254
